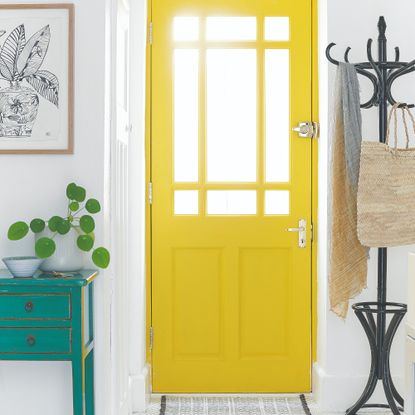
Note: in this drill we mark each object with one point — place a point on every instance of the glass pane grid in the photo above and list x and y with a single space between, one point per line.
231 30
259 200
261 188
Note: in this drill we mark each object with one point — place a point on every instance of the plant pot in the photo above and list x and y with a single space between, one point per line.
18 110
67 257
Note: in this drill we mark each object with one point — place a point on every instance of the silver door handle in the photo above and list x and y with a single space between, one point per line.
302 233
296 229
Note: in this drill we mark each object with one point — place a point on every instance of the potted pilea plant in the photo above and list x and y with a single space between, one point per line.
21 60
63 240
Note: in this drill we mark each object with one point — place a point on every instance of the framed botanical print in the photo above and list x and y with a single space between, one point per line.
36 78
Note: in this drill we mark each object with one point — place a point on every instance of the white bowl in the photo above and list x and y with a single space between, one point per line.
23 266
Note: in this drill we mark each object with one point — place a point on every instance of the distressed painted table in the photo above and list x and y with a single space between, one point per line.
51 318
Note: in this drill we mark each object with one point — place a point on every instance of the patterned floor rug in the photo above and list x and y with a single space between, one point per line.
240 405
234 405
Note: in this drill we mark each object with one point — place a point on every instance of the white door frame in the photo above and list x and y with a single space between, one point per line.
130 380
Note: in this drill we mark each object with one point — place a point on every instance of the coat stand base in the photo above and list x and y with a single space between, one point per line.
380 353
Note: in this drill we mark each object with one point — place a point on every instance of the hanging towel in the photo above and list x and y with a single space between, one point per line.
348 258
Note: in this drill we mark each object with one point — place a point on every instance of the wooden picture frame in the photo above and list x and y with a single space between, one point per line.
37 78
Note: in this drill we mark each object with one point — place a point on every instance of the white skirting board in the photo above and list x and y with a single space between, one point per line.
140 390
333 393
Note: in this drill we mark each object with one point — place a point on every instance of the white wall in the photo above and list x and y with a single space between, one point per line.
343 351
34 186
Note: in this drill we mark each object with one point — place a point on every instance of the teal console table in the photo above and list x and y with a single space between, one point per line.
51 318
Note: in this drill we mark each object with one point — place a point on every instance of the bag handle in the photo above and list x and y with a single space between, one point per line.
393 112
412 118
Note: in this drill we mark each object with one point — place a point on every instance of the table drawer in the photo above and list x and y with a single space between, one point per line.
35 307
35 340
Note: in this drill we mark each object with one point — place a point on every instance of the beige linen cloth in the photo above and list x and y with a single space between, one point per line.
348 258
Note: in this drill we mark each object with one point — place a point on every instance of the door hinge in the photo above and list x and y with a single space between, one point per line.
307 129
150 33
150 193
151 338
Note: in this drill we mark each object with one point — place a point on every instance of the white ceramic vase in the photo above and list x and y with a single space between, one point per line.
67 257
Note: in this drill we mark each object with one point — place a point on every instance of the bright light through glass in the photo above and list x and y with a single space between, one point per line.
231 28
185 28
186 114
186 202
231 115
277 114
277 202
231 202
277 28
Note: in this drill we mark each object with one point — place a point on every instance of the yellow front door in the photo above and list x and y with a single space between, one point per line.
231 286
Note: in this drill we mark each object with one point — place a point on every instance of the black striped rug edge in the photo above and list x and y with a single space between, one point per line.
163 405
305 405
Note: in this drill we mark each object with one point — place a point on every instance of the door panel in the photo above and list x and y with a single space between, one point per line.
231 290
197 271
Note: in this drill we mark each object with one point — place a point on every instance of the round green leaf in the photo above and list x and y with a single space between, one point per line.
53 223
93 206
71 191
80 194
37 225
45 247
101 257
74 206
87 223
63 227
85 243
18 231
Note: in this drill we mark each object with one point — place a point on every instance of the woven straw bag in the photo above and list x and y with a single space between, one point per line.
386 192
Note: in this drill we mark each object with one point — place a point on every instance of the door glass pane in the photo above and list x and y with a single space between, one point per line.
186 28
277 28
186 202
277 113
186 115
231 115
277 202
231 28
231 202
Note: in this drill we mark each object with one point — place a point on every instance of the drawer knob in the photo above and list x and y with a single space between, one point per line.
31 341
29 307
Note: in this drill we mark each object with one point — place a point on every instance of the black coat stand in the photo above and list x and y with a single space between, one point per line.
380 319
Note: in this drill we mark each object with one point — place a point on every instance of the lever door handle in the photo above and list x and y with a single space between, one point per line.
302 233
296 229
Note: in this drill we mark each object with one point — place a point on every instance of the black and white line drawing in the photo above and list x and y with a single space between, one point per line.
21 60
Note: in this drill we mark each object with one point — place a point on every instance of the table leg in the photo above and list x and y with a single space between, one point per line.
89 384
78 382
